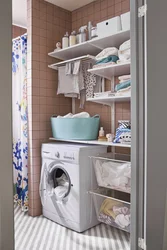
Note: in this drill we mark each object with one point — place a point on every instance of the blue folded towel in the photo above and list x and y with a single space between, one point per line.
108 59
123 85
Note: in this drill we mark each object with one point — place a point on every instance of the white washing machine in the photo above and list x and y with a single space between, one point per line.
75 210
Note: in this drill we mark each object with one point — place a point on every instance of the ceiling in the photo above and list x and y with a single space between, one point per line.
70 4
19 10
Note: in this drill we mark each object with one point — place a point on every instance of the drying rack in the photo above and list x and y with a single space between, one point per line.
86 58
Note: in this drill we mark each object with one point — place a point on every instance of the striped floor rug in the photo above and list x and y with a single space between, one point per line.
40 233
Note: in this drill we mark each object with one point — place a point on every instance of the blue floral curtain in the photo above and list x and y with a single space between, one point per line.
20 141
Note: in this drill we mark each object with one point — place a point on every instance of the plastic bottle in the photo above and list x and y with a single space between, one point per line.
82 34
89 30
101 132
65 41
72 39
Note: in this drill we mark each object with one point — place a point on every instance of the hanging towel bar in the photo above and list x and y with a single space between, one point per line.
87 58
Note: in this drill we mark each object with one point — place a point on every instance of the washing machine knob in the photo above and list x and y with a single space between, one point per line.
57 155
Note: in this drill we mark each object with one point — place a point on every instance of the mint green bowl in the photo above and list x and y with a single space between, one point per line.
75 128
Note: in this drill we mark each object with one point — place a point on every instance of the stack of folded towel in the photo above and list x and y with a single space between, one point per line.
123 88
107 57
123 132
124 52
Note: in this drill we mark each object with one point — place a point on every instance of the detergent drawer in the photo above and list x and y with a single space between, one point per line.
112 208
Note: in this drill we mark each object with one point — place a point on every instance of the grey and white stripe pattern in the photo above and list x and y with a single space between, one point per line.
40 233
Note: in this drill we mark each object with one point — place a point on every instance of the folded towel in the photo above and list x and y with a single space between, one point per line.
124 92
107 52
123 85
102 65
124 52
124 77
108 59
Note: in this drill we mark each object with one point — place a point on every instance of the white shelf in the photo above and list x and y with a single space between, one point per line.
111 41
92 47
109 100
111 70
75 51
111 144
86 58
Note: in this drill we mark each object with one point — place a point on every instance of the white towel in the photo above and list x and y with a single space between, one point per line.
124 52
66 83
79 115
124 77
122 220
111 51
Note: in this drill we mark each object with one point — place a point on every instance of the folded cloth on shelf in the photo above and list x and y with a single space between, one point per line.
114 175
102 65
122 85
124 52
124 92
79 115
111 51
124 61
123 132
104 94
124 77
108 59
123 136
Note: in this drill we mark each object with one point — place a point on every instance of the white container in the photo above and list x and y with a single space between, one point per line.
72 39
101 132
125 21
109 27
65 41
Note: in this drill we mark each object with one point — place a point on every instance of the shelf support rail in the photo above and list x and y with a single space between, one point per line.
113 111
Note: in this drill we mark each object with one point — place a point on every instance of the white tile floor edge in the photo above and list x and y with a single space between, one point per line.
40 233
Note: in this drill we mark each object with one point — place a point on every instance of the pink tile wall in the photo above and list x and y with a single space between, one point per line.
17 31
46 26
96 12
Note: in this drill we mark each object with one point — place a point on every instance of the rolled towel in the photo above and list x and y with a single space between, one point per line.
123 85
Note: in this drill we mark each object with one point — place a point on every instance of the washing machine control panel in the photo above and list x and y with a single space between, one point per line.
62 154
69 156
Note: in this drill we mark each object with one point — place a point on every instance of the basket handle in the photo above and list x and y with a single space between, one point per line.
96 116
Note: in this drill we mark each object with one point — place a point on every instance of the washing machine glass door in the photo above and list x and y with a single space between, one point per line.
58 182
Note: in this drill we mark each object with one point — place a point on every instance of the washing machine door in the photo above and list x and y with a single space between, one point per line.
55 183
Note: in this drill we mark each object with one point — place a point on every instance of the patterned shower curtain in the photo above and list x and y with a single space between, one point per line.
20 140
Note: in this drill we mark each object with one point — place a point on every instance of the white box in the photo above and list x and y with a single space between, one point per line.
109 27
125 21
